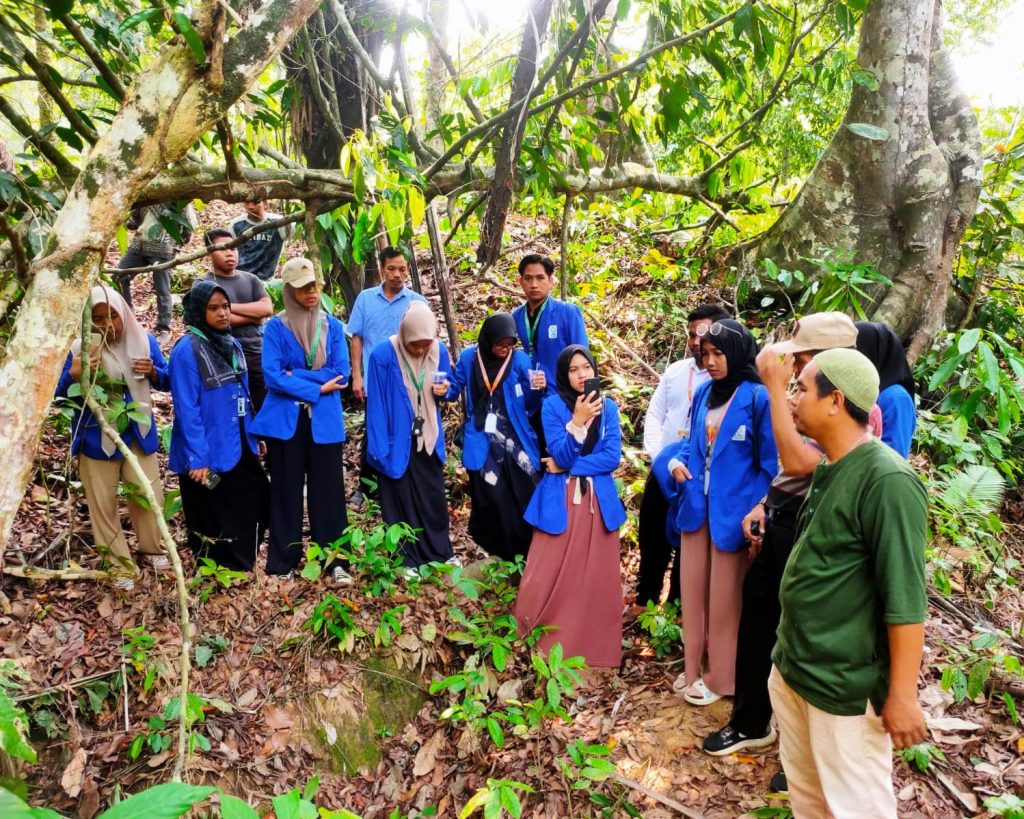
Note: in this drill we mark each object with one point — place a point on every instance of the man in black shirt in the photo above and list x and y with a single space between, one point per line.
260 254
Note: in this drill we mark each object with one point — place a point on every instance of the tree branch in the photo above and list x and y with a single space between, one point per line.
309 60
513 109
89 47
65 170
47 81
21 264
32 78
446 58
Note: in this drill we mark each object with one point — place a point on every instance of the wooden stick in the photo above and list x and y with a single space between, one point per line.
614 337
68 686
33 573
657 797
441 278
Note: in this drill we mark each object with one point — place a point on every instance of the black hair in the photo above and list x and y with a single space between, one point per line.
826 388
710 310
389 253
211 236
536 258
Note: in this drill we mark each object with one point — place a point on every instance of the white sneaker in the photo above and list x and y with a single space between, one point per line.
410 573
159 563
700 694
340 576
453 561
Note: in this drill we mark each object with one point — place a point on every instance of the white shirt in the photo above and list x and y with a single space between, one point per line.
668 415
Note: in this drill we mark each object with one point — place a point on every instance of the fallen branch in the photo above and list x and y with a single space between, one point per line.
32 573
615 337
68 686
667 801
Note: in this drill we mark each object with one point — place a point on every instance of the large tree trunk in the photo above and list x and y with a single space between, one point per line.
507 159
899 201
171 104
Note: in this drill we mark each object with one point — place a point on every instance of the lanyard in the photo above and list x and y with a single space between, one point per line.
202 335
311 355
483 372
418 383
531 327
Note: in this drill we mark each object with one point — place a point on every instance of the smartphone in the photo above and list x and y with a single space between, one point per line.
592 386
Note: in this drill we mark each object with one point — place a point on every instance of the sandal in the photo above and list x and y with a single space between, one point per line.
700 694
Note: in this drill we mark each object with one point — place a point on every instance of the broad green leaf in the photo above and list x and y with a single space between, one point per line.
968 340
988 367
945 370
14 730
868 131
168 801
153 16
191 36
231 807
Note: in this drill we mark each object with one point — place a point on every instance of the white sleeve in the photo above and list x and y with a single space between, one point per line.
654 420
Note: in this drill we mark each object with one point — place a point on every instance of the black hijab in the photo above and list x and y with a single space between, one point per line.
740 350
569 395
880 343
194 309
495 327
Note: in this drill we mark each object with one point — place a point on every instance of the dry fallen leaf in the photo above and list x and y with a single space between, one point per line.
427 754
74 773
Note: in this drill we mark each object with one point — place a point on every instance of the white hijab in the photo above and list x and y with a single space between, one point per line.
116 356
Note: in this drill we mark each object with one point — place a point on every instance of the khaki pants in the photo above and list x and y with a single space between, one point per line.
100 479
837 767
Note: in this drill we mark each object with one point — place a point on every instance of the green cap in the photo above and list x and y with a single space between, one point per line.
853 375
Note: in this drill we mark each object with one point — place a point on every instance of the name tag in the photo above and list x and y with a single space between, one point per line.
553 331
241 406
519 390
491 423
741 433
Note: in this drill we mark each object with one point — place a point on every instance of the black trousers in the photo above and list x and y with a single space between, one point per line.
296 463
752 709
228 522
656 552
257 386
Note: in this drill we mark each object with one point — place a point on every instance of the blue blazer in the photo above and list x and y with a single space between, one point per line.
740 476
205 431
547 508
390 413
899 418
561 324
520 403
87 437
290 383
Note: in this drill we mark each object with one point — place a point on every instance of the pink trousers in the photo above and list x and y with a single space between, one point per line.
711 583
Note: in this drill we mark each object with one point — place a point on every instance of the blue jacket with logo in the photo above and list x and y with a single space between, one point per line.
519 400
560 325
547 509
205 431
290 383
899 418
740 474
390 413
88 437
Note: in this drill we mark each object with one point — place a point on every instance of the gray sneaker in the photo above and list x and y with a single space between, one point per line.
340 576
125 583
159 563
453 561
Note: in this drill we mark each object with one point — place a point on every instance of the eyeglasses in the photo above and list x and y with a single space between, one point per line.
716 330
506 344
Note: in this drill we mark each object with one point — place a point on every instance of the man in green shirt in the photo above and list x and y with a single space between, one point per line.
848 654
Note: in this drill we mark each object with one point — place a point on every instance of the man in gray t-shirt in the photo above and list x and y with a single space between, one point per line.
250 307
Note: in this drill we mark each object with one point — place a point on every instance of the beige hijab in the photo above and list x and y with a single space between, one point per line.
116 357
419 324
302 321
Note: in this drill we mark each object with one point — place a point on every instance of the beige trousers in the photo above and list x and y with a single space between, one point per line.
711 582
838 767
101 479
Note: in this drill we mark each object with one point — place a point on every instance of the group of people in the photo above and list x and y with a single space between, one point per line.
799 534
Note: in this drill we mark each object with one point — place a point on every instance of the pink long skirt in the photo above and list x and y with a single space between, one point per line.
572 582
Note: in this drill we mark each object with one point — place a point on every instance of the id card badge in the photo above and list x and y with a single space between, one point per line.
241 406
491 423
707 480
417 427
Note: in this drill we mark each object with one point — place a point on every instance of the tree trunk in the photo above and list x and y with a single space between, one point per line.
437 73
901 199
171 104
492 226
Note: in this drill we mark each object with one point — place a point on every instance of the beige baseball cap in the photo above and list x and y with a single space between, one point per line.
820 331
298 272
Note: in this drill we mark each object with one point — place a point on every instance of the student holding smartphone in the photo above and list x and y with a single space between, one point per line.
572 580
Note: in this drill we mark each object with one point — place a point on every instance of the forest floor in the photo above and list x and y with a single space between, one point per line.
278 695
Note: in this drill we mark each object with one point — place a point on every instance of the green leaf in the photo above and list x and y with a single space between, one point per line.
59 7
988 366
153 16
865 78
868 131
167 801
191 36
231 807
12 807
14 730
968 340
203 656
945 370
